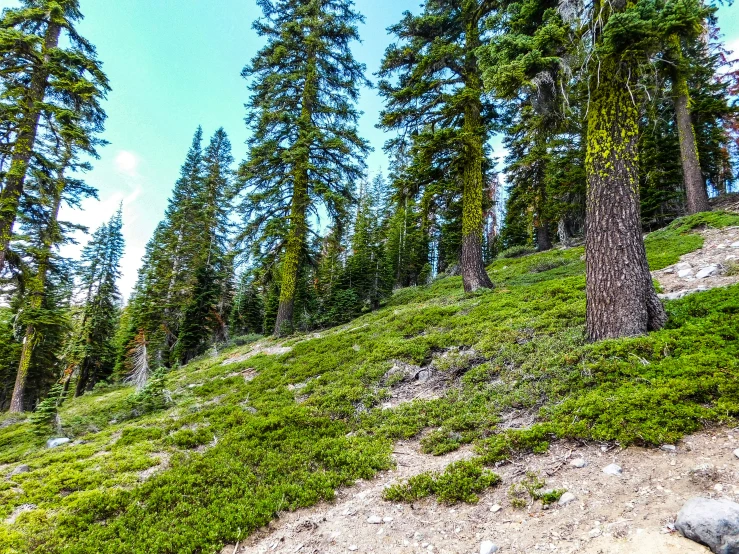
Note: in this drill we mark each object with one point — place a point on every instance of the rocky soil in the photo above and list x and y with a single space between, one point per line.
714 265
631 512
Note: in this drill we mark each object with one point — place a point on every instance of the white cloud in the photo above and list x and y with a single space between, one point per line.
127 163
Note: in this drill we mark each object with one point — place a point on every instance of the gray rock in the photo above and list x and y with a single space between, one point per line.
685 273
707 272
679 294
613 469
578 462
735 244
18 511
683 265
53 443
668 448
488 547
668 270
23 468
566 498
712 523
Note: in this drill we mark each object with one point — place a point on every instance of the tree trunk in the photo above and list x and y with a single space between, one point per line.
695 187
563 233
543 238
472 267
24 143
621 300
37 287
299 206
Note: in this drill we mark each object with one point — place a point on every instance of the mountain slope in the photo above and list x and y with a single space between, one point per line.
273 426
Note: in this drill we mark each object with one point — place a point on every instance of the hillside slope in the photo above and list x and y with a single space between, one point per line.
272 426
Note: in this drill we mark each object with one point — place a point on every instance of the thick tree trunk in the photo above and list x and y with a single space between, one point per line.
621 300
24 143
472 267
563 233
695 186
543 237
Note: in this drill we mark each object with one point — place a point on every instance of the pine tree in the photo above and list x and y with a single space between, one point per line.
439 97
41 78
101 260
304 150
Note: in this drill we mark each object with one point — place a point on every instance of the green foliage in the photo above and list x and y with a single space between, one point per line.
457 483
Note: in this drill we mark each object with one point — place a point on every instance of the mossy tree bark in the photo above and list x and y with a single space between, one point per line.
621 300
473 271
37 289
25 141
695 187
299 205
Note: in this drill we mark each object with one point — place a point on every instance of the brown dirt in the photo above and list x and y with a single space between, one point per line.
627 514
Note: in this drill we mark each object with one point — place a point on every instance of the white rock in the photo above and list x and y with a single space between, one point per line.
735 244
595 533
496 508
374 520
685 273
488 547
387 520
736 452
353 547
707 272
668 448
566 498
53 443
579 463
668 270
612 469
718 487
684 265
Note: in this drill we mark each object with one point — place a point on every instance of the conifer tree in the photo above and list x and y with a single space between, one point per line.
100 313
304 151
439 96
40 78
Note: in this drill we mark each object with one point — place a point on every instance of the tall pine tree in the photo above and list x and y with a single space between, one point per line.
304 151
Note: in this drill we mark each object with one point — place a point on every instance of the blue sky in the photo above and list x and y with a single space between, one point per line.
174 65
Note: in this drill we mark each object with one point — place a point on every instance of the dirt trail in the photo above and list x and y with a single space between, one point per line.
630 513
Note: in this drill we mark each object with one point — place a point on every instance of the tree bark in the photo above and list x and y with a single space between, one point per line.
621 300
543 237
299 205
695 186
24 144
37 289
472 267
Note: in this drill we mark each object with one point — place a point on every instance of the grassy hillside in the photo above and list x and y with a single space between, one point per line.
241 439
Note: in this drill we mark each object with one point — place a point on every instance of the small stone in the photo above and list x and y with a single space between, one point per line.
735 244
668 448
718 487
579 463
683 265
669 270
353 547
566 498
713 523
488 547
23 468
387 520
685 273
613 469
707 272
53 443
496 508
736 452
374 520
597 532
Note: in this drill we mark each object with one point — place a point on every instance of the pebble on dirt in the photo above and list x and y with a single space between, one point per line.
374 520
713 523
736 452
579 463
488 547
613 469
566 498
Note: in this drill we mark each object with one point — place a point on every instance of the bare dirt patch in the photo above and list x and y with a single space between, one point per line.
704 269
258 348
627 514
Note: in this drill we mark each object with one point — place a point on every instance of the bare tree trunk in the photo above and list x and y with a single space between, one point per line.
695 186
621 300
543 237
564 233
24 143
472 267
